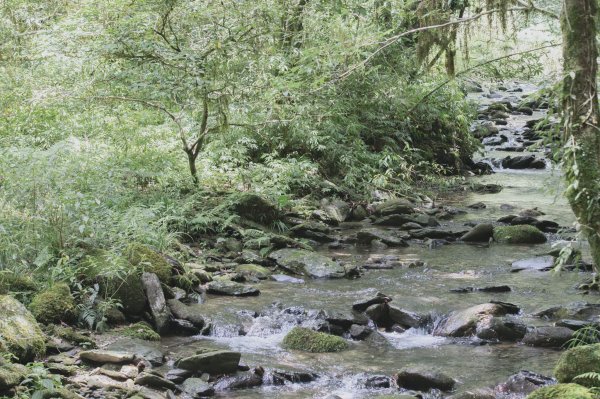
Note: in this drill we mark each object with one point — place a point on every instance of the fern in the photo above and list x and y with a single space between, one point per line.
588 377
587 335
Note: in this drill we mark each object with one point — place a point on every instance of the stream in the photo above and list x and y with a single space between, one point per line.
255 326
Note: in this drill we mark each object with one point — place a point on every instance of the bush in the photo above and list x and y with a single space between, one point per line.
305 339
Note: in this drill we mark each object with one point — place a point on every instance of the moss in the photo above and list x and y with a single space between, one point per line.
307 340
562 391
140 330
257 271
186 281
11 374
54 305
20 334
13 282
129 292
73 336
577 361
149 260
521 234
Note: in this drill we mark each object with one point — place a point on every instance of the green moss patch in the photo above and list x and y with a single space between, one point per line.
577 361
13 282
54 305
140 330
150 261
305 339
20 333
562 391
520 234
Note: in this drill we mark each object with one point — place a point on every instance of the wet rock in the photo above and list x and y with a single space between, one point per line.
279 377
464 323
346 319
336 211
424 380
366 236
283 278
150 351
523 162
106 356
156 300
154 381
313 230
477 205
485 130
178 375
211 361
575 310
479 233
312 264
386 316
539 263
395 220
524 220
243 380
358 213
500 329
482 168
376 382
574 325
506 219
522 234
547 226
486 188
523 383
548 337
191 313
231 288
399 206
184 327
363 304
20 334
410 226
359 332
197 388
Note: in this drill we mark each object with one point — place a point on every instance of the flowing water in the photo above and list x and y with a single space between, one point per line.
425 289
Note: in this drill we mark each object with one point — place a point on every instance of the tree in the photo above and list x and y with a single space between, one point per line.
582 117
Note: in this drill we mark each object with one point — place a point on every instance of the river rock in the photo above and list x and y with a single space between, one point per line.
20 333
231 288
211 361
241 380
197 388
156 299
283 278
480 233
375 381
548 337
303 262
388 237
424 380
178 375
464 323
191 313
386 316
523 383
336 211
575 310
399 206
313 230
141 349
346 319
523 162
500 329
280 376
437 234
539 263
363 304
106 356
395 220
154 381
359 332
521 234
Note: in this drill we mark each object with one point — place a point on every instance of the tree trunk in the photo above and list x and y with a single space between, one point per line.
192 164
582 118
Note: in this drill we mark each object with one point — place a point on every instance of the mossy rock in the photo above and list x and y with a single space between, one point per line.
186 281
150 261
562 391
73 336
14 282
20 333
140 330
54 305
11 374
129 292
520 234
257 271
255 208
577 361
305 339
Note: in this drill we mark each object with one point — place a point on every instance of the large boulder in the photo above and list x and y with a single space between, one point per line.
20 334
305 339
129 291
563 391
231 288
156 300
523 162
307 263
479 233
473 320
521 234
191 313
399 206
424 380
54 305
150 261
211 361
577 361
